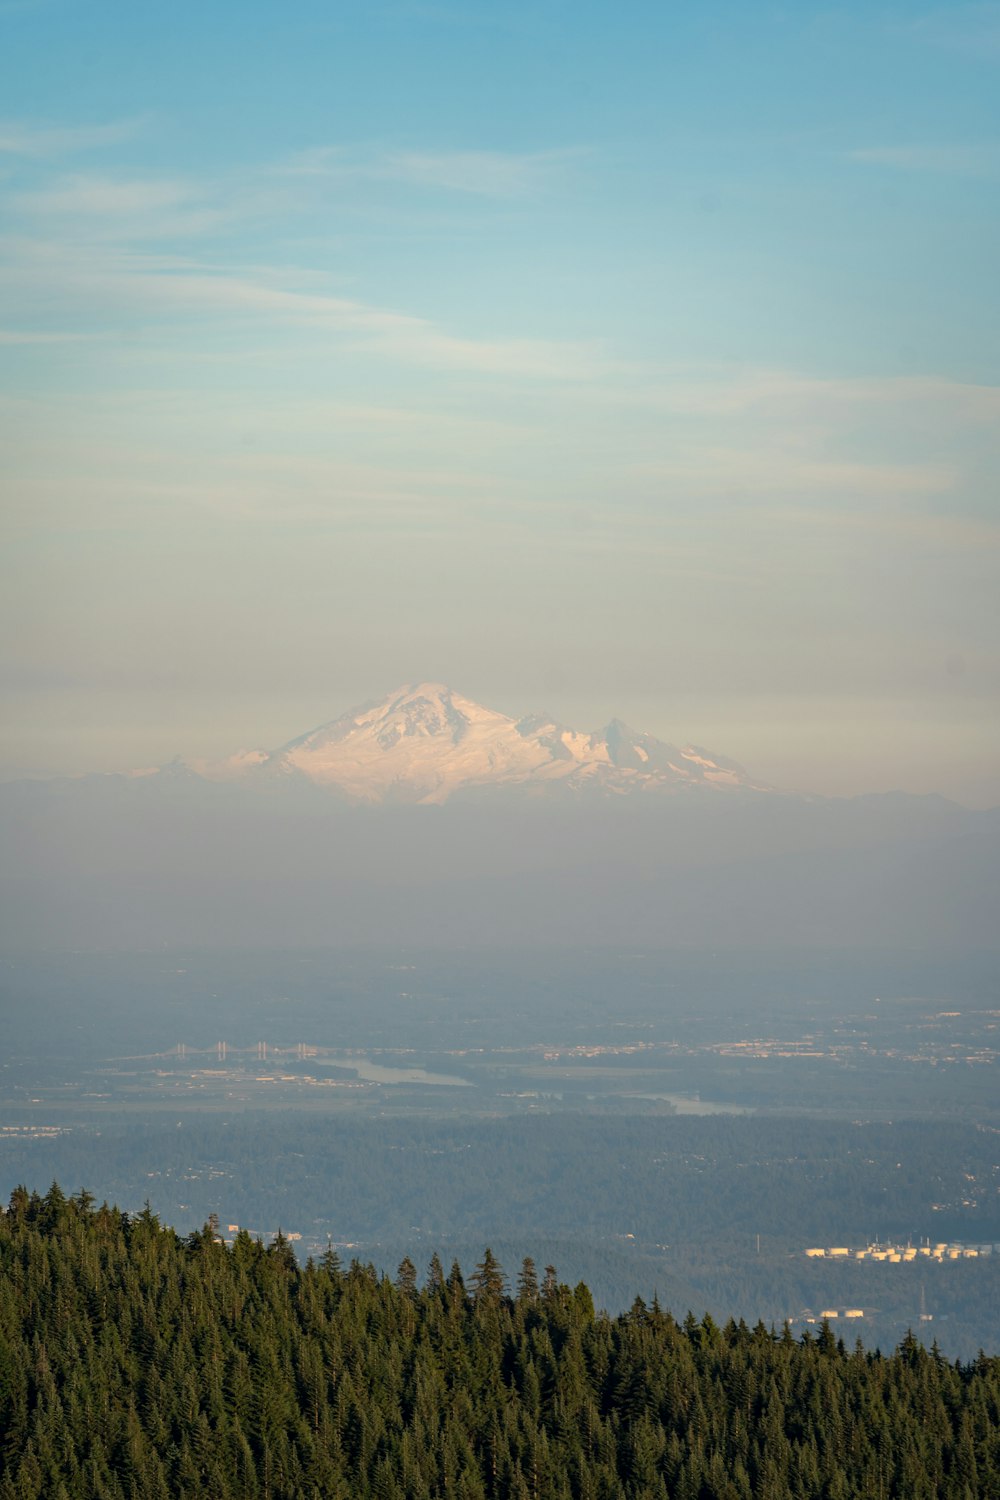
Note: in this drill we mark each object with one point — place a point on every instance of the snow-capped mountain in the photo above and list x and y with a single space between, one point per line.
548 837
425 742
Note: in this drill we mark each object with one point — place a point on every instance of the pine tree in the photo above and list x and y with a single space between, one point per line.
488 1283
527 1282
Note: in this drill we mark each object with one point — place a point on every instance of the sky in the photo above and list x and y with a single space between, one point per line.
636 362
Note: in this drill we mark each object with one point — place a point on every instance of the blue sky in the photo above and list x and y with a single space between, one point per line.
636 362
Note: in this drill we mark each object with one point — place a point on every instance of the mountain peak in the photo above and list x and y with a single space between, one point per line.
426 689
423 742
416 692
423 708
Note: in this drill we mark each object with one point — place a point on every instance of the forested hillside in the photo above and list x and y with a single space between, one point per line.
137 1363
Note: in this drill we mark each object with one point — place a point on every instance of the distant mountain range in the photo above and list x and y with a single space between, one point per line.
427 819
424 742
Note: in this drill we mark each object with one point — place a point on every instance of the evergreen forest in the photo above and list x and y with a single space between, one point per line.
136 1362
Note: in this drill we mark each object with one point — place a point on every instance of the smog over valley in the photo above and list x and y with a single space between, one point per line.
500 751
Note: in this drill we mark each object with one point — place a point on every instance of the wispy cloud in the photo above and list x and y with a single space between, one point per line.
400 334
491 173
793 397
484 173
103 283
108 207
19 138
773 469
102 195
980 159
29 336
913 445
936 530
123 209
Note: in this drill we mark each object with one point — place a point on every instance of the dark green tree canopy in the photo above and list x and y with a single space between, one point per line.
136 1363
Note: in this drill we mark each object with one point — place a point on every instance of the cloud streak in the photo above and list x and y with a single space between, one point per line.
19 138
792 394
124 210
13 336
104 285
488 174
775 470
974 159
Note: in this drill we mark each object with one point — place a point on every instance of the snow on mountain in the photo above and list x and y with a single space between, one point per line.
424 742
